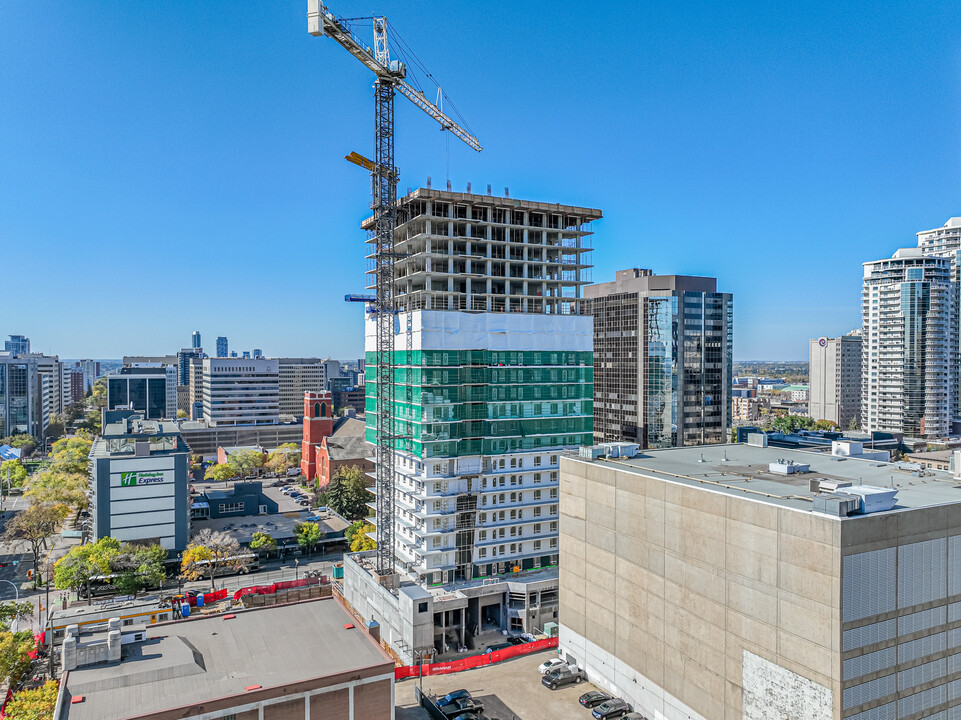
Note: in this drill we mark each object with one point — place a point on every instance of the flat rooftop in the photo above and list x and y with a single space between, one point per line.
191 661
742 470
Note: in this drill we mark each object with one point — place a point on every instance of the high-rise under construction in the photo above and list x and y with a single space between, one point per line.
493 382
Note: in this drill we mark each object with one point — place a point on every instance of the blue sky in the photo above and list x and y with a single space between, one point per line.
166 167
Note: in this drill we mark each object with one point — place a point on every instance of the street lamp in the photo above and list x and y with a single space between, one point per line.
296 569
16 591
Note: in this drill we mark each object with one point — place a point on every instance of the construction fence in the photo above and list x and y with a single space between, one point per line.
474 661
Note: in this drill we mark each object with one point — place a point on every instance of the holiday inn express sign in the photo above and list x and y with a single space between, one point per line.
141 478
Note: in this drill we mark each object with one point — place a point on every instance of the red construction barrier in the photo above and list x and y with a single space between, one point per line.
271 589
474 661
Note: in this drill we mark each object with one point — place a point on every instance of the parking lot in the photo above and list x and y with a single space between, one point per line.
510 690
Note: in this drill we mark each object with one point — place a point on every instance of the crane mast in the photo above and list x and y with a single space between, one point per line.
390 78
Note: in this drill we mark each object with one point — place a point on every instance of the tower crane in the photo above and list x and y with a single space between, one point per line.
390 78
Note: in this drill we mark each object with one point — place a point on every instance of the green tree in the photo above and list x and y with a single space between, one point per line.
284 458
220 473
361 541
308 535
37 704
14 611
75 569
182 415
348 495
352 530
33 527
824 425
210 552
56 487
55 428
138 567
245 461
14 656
98 394
263 543
12 473
855 423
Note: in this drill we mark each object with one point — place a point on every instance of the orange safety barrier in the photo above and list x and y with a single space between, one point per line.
473 661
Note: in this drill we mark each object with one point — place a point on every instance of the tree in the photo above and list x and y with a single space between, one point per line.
56 487
33 527
245 461
55 429
348 495
824 425
855 423
15 651
263 543
361 541
284 458
12 473
137 567
182 415
14 611
98 394
71 455
308 535
37 704
208 552
220 473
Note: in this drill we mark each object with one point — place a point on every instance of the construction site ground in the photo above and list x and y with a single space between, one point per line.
510 690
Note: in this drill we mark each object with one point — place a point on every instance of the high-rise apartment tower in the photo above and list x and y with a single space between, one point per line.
909 344
195 340
222 347
835 374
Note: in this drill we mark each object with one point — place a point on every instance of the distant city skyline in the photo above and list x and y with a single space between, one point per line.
772 147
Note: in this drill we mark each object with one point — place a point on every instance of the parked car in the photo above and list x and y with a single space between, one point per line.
550 665
594 698
452 696
613 708
634 716
461 707
564 675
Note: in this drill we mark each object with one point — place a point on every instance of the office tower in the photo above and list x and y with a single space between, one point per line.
835 374
149 389
245 354
222 347
17 345
258 353
233 354
240 392
331 370
489 400
195 342
196 383
297 376
183 364
663 353
909 345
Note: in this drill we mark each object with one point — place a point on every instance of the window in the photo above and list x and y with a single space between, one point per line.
537 511
554 527
537 461
537 528
537 494
483 535
537 477
231 507
513 462
553 493
482 552
436 542
553 459
422 607
537 545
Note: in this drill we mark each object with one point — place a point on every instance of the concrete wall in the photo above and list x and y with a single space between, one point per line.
664 588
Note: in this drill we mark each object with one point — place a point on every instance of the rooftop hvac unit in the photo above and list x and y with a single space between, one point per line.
262 509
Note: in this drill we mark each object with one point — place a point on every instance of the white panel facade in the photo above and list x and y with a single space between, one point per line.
133 520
